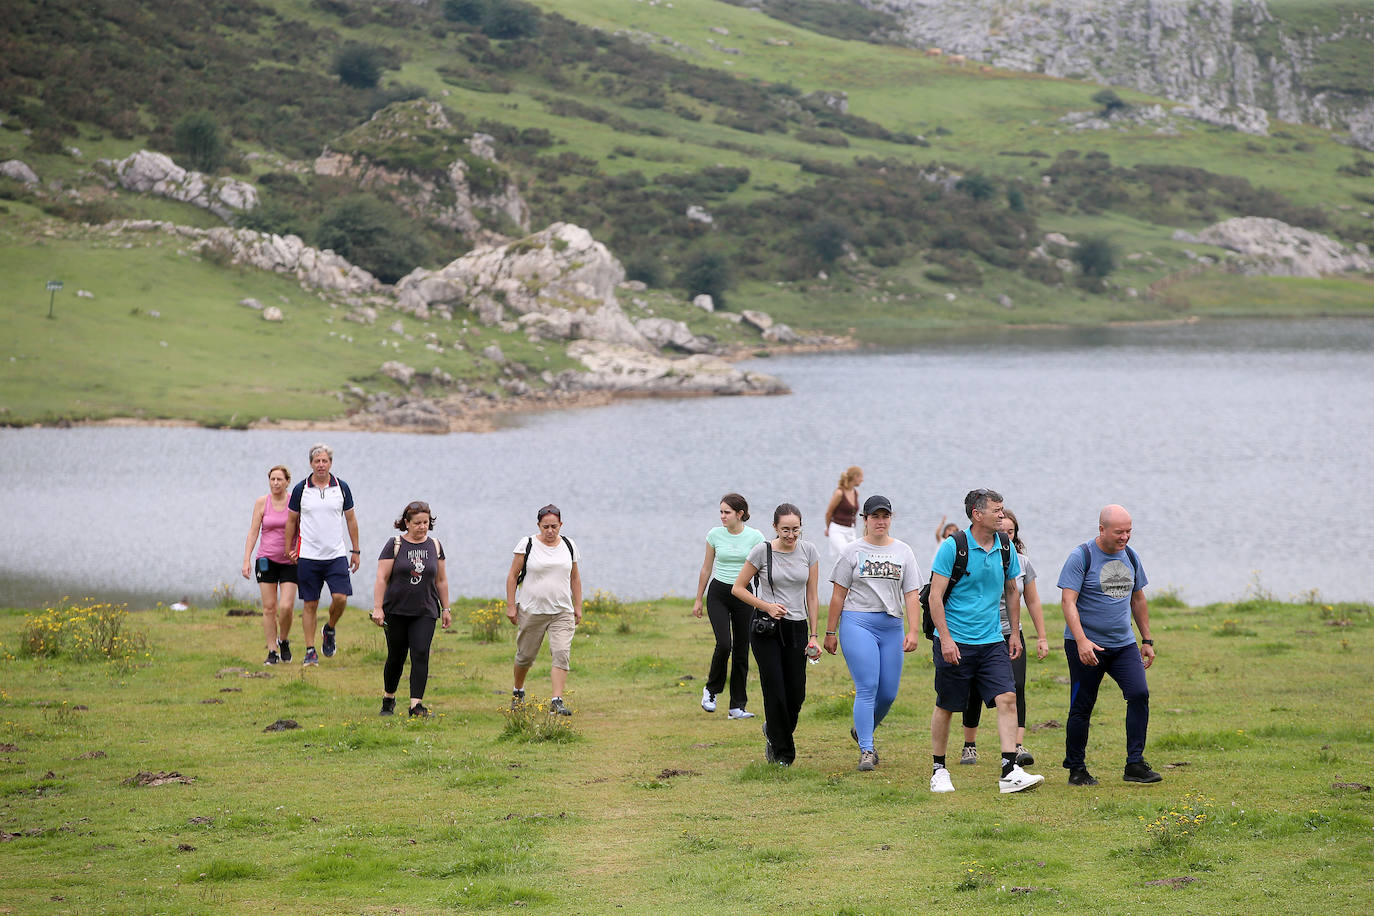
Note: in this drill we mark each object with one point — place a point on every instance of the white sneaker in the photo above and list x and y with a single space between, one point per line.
940 781
737 713
708 700
1018 780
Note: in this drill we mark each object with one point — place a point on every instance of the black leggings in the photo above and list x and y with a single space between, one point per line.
730 619
407 634
782 678
974 713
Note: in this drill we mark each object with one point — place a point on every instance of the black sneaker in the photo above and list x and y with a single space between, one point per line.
517 697
1079 776
558 707
1140 772
329 647
419 711
768 753
1023 756
284 648
272 658
388 706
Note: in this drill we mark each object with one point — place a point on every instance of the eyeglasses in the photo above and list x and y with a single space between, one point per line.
796 530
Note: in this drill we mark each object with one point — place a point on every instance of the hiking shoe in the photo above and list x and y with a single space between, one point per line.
708 700
1023 756
329 646
768 752
558 708
1079 776
284 649
867 761
739 712
940 781
310 657
1018 780
853 733
272 658
968 756
1140 772
517 697
419 711
388 706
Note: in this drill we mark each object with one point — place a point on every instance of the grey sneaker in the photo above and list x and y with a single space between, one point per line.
867 761
1023 756
969 755
517 697
558 708
310 657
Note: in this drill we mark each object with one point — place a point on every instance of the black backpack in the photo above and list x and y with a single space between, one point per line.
529 545
957 572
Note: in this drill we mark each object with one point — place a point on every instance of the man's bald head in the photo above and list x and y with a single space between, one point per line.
1113 528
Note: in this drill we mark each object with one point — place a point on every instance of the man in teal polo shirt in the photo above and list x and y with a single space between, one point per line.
970 653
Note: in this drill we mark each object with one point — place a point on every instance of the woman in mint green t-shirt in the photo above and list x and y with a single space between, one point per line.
727 547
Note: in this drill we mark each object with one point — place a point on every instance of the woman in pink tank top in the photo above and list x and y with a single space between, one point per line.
276 575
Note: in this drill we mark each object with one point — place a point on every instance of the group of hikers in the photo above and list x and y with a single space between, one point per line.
761 594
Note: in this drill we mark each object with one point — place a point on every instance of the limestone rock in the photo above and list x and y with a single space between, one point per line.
559 282
625 369
762 321
251 303
398 371
84 294
493 353
19 171
1270 247
272 313
154 173
664 332
699 214
704 301
781 333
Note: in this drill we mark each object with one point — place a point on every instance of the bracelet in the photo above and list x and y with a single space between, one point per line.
831 633
1148 642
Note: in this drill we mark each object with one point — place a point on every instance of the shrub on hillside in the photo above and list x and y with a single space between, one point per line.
197 141
372 235
706 272
507 19
465 11
1095 256
359 66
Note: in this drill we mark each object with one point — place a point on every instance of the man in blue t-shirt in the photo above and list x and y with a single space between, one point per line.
968 646
1101 584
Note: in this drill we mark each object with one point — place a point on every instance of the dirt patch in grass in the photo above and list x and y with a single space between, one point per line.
669 773
282 725
160 778
1180 881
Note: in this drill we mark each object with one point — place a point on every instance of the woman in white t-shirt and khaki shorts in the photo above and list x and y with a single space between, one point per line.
550 591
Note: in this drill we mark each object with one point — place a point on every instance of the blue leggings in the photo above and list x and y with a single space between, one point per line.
872 644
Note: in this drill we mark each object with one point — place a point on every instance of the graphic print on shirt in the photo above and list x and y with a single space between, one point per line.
417 565
1116 579
879 566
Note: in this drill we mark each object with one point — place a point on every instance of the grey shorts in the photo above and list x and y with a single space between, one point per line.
530 635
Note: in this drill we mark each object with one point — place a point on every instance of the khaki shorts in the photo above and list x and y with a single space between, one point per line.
530 635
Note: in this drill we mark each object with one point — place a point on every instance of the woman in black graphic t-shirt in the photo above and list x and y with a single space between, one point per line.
410 594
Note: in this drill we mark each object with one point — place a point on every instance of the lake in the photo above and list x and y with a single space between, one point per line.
1232 443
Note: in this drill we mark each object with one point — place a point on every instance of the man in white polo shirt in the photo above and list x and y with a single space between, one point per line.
319 507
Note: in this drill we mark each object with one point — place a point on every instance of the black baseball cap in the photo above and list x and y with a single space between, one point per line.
877 504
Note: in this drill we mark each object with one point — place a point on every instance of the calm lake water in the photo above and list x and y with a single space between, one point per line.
1233 445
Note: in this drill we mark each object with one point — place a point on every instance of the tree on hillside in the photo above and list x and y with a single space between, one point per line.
977 186
1096 257
825 239
1110 102
197 141
468 11
706 272
372 235
510 19
359 66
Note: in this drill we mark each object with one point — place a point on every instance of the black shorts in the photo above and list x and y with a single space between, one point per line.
274 572
986 668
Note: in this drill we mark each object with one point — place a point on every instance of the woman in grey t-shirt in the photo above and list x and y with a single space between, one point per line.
876 579
783 632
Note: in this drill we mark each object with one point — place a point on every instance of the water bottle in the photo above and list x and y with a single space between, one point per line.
813 653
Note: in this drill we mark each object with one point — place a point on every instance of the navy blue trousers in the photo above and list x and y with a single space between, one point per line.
1126 668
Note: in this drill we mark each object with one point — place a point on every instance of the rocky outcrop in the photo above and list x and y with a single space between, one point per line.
1213 55
1270 247
461 183
665 332
19 171
557 284
283 254
154 173
626 370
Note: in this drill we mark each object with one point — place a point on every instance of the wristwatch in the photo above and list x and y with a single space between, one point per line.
1148 642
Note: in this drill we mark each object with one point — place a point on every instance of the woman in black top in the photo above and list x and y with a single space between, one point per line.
410 594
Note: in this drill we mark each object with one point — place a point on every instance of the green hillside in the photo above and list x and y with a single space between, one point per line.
850 186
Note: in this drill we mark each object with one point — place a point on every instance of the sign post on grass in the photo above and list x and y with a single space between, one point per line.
53 287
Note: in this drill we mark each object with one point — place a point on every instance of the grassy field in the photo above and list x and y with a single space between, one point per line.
1260 726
